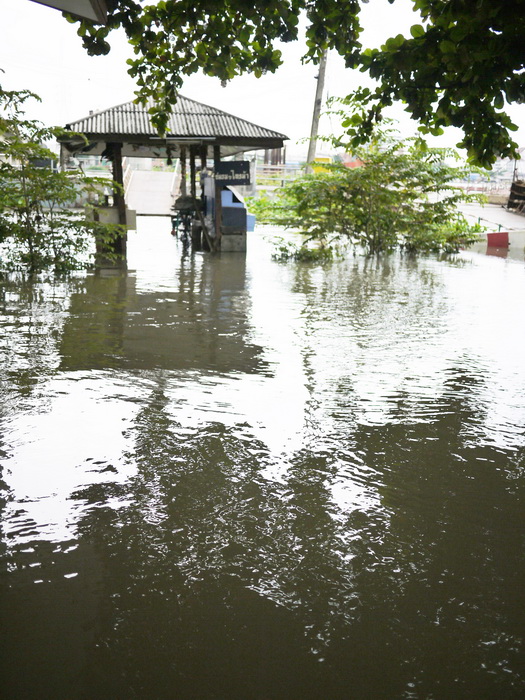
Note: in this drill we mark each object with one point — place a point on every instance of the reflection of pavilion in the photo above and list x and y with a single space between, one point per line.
195 132
201 323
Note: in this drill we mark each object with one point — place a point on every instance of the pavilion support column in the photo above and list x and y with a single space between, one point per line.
201 237
196 233
193 182
119 199
118 176
183 170
204 164
218 199
204 156
63 157
107 251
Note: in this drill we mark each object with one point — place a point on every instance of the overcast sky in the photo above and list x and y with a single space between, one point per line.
40 51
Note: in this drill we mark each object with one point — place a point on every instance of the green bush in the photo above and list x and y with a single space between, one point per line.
39 228
403 195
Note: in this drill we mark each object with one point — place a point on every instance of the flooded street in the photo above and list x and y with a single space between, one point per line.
228 478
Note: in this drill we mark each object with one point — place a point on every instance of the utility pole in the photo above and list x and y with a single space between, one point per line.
317 112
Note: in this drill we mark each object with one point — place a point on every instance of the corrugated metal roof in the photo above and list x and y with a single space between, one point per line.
188 119
94 10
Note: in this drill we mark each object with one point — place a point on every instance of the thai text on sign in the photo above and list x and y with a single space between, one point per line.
233 173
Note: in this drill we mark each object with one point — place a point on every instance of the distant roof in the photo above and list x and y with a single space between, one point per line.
191 122
95 10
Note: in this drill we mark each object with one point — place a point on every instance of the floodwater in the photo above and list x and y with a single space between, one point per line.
229 478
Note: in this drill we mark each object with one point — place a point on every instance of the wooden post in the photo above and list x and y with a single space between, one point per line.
193 183
118 197
204 156
218 199
63 157
183 170
196 233
206 241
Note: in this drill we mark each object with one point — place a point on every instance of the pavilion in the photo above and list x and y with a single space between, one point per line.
195 130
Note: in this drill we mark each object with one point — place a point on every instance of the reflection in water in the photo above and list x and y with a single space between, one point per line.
200 322
236 479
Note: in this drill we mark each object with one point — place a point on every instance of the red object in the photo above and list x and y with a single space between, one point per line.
498 240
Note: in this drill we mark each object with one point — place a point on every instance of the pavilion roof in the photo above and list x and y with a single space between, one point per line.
190 122
94 10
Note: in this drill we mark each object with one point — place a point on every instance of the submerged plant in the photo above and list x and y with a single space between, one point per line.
400 194
39 227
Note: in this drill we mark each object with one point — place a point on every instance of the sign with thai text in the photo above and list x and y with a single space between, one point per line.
235 172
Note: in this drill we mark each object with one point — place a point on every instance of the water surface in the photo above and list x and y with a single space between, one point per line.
224 477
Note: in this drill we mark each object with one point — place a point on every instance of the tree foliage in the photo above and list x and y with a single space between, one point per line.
459 68
461 63
38 227
401 194
176 38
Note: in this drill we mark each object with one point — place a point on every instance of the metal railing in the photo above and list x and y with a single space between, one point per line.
269 178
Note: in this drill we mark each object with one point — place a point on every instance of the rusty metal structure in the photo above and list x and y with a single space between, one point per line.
516 201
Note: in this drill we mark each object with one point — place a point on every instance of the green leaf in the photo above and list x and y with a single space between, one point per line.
245 34
417 30
447 46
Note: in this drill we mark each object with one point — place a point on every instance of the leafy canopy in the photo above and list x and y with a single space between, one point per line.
402 194
459 68
223 38
461 64
38 227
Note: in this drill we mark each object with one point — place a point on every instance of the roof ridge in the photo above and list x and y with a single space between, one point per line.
206 110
